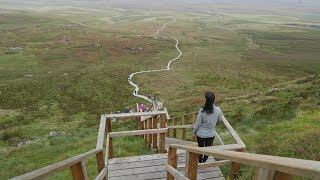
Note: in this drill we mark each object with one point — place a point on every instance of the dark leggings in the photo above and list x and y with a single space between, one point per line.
204 142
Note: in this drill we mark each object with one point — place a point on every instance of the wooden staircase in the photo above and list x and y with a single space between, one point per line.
177 158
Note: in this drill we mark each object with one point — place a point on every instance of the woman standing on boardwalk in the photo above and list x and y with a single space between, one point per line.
205 127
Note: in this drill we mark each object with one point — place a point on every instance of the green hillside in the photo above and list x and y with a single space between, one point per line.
61 68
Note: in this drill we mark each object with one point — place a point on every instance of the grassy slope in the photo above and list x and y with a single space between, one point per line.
81 72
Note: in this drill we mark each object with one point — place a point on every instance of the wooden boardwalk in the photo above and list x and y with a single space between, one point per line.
153 166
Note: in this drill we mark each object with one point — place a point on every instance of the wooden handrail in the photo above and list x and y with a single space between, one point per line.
101 132
51 169
297 167
231 147
102 174
167 113
180 126
138 132
175 173
136 114
206 165
232 131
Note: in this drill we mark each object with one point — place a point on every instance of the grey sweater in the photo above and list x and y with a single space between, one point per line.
205 126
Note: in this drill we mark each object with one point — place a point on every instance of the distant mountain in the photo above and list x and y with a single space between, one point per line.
197 6
274 2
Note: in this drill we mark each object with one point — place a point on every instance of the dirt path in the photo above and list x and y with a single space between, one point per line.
158 103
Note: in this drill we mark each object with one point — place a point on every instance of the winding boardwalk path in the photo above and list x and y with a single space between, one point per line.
136 86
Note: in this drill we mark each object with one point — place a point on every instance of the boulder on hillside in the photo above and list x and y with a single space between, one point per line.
56 133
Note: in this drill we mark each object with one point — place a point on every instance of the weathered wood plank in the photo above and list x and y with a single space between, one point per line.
101 132
264 174
167 113
219 139
106 160
168 125
100 161
155 136
54 168
78 171
149 121
232 131
141 158
235 168
110 145
298 167
138 132
285 176
208 149
181 126
102 175
184 130
172 174
162 141
207 164
172 162
160 172
145 135
175 122
123 115
138 164
192 165
194 119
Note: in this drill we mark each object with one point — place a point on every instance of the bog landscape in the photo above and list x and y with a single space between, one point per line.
64 63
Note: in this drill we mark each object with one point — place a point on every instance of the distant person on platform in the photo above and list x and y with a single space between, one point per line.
205 127
142 108
126 110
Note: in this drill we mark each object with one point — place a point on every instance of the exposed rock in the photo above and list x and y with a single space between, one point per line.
56 133
14 50
273 91
28 75
25 142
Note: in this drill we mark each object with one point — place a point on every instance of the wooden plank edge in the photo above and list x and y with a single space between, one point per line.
101 132
123 115
232 131
180 126
175 173
51 169
138 132
102 175
297 167
206 165
167 114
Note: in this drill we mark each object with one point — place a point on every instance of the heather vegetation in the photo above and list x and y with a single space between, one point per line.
61 68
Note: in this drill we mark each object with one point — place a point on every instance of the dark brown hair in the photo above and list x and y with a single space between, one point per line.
208 106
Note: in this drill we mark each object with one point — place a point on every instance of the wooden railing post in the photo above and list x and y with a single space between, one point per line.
109 130
192 165
175 121
172 161
168 124
100 161
282 176
155 136
78 171
194 119
263 174
145 127
235 168
162 135
184 130
140 124
150 135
